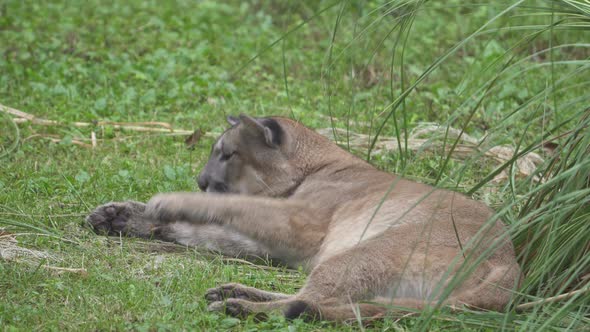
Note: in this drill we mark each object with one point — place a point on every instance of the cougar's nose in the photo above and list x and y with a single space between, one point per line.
203 182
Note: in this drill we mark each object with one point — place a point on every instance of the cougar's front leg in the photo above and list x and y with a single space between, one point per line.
276 223
129 219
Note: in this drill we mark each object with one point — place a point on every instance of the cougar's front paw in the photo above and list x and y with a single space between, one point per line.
112 218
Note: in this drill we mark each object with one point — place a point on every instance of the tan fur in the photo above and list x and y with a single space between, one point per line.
276 188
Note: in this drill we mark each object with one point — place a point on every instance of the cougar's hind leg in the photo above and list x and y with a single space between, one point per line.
352 276
322 298
370 272
337 310
347 280
356 274
242 308
238 291
240 301
494 290
292 308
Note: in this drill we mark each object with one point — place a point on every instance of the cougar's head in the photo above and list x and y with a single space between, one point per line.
251 157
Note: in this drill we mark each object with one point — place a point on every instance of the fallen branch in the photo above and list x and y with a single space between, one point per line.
466 148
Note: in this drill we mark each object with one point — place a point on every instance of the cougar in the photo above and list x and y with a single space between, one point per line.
373 243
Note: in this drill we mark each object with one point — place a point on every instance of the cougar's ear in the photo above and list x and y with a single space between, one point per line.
232 120
267 129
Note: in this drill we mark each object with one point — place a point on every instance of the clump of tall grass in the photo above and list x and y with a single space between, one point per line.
548 213
553 226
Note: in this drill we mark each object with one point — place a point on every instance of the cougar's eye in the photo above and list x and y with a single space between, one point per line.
227 156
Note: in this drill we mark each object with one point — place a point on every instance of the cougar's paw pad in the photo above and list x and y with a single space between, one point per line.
224 292
110 219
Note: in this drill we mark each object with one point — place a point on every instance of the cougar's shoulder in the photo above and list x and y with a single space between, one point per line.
331 173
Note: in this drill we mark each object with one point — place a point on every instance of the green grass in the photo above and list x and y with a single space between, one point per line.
514 72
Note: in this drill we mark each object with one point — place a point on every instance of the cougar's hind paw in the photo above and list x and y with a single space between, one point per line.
224 292
236 308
